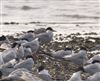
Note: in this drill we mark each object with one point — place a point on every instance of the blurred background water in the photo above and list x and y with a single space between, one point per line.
61 14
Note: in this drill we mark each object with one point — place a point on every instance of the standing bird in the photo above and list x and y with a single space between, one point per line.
46 37
79 58
76 77
43 74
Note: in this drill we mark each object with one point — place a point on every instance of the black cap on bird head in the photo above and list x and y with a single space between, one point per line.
15 44
2 38
83 48
95 61
30 31
40 68
29 56
67 48
49 28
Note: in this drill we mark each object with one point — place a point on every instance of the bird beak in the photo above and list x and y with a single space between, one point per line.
54 30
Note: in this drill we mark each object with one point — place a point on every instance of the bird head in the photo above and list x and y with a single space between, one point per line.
83 48
50 29
2 38
15 44
67 48
95 61
40 68
30 31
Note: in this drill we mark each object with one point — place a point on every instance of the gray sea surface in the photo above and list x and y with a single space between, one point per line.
63 15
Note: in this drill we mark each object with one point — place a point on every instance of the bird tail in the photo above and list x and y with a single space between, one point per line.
47 53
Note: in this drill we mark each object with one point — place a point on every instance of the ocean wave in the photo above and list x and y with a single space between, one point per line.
10 7
78 16
29 8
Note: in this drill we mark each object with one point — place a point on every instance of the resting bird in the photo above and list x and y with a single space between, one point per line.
95 77
9 64
92 68
27 51
94 59
79 58
40 30
10 54
34 45
46 37
43 74
76 77
60 53
27 64
4 39
29 36
6 70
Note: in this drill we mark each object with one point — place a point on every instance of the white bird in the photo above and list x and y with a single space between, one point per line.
7 67
21 41
4 39
46 37
79 58
44 74
27 64
22 51
40 30
10 53
9 64
76 77
29 36
34 45
60 53
27 52
94 59
92 68
6 70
